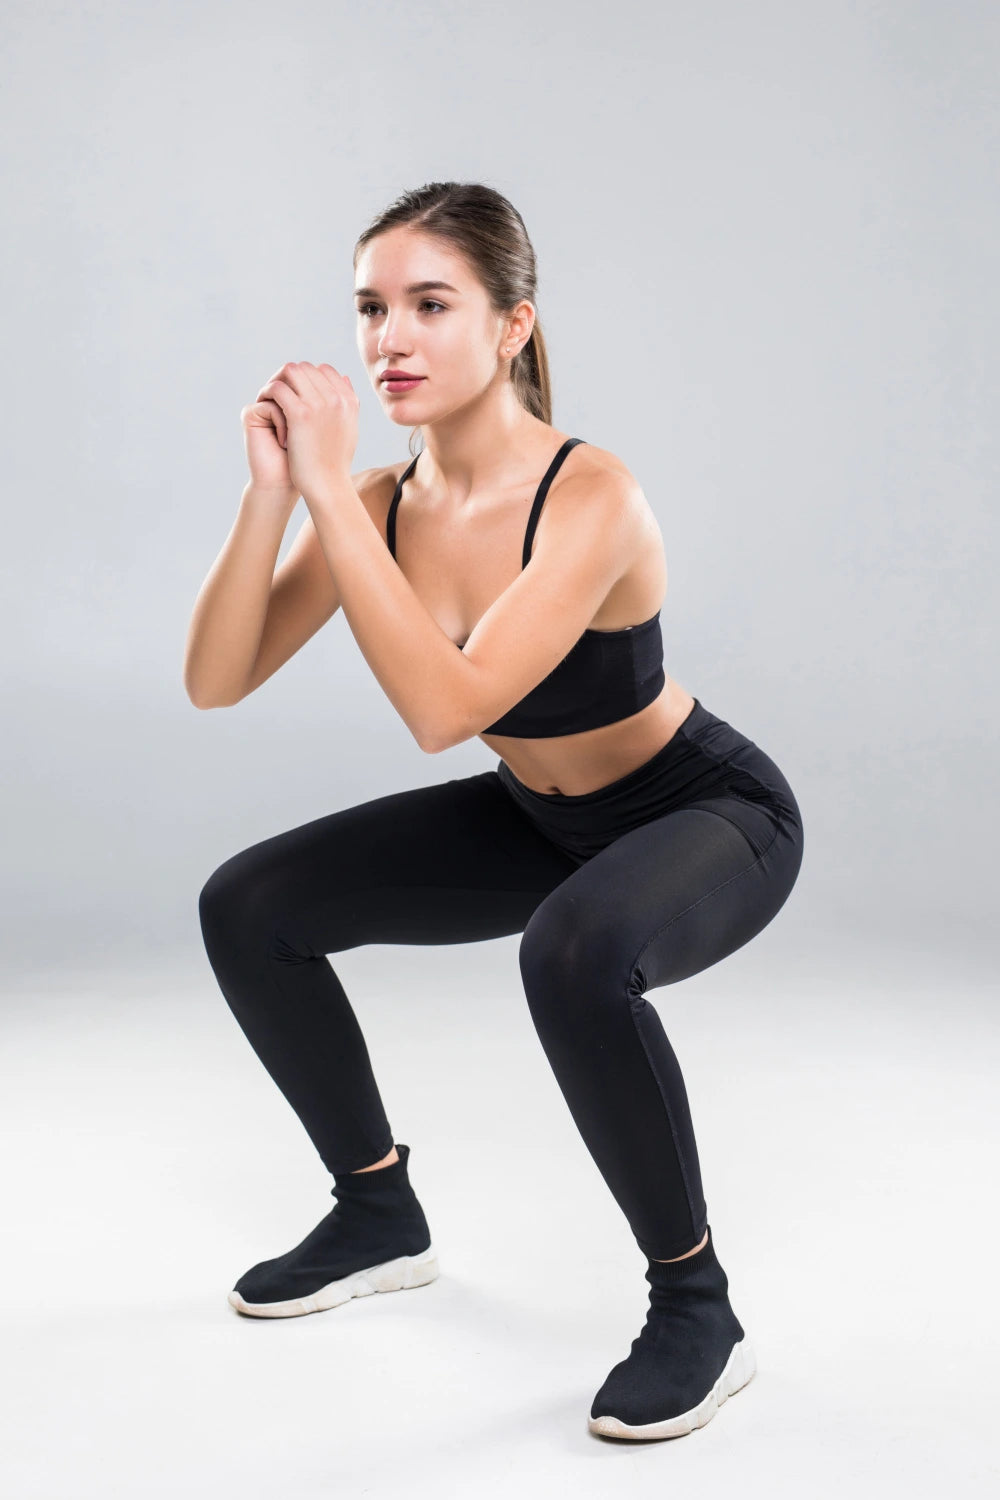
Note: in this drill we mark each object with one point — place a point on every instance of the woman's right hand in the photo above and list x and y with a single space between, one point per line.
265 435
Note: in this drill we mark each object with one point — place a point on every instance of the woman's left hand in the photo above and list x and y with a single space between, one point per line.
321 412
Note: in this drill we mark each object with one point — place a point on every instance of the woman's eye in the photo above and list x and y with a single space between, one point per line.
366 307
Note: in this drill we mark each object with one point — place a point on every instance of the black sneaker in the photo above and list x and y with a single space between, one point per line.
690 1357
375 1240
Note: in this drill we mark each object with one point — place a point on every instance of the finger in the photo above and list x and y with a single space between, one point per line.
293 376
271 415
312 379
299 377
305 379
266 413
339 382
282 395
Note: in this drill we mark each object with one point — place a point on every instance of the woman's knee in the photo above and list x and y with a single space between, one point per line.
261 906
233 903
571 958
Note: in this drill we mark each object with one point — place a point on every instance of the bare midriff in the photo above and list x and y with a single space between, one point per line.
573 764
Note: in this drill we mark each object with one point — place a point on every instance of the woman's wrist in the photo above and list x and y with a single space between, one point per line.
270 494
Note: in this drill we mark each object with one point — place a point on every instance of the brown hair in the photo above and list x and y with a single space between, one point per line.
487 229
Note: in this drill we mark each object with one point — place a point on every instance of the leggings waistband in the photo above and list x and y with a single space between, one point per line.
698 719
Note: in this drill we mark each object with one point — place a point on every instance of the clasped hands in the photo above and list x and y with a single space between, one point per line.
320 408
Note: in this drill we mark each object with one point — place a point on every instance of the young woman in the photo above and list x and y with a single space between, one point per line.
505 583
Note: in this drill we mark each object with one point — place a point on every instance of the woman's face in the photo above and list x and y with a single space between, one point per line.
446 334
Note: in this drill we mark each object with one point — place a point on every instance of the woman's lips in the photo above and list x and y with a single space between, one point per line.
396 387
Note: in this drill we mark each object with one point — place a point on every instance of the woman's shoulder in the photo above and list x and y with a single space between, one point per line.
375 488
597 467
379 478
602 483
389 475
603 487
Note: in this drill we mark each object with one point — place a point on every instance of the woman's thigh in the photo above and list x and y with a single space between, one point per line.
667 899
448 863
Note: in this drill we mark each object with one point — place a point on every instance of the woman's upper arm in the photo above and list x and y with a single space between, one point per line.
587 540
303 594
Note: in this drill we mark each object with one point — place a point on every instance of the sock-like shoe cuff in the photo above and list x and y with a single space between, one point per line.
383 1179
675 1272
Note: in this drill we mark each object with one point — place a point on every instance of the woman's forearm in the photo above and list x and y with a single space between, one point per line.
425 676
229 614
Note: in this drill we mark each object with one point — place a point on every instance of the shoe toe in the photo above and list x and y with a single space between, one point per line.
267 1281
636 1406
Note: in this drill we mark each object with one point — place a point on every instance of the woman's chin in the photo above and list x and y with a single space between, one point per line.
399 418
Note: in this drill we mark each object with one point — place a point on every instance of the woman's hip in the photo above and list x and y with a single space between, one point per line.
706 762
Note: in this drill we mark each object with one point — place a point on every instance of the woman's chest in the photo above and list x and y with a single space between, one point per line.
458 566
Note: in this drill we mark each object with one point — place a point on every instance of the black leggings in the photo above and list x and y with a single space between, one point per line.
652 878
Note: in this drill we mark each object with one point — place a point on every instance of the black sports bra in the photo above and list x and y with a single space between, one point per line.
608 675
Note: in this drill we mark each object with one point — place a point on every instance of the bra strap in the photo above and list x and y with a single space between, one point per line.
540 495
536 509
390 523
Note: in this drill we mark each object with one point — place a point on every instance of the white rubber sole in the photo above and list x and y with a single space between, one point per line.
391 1276
741 1367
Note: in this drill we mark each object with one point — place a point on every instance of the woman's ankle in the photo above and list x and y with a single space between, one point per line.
387 1161
686 1254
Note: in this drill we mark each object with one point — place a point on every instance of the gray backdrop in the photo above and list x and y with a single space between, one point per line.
788 211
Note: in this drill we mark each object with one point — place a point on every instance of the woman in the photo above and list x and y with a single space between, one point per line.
508 585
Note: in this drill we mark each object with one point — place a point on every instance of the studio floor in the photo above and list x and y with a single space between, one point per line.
844 1106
